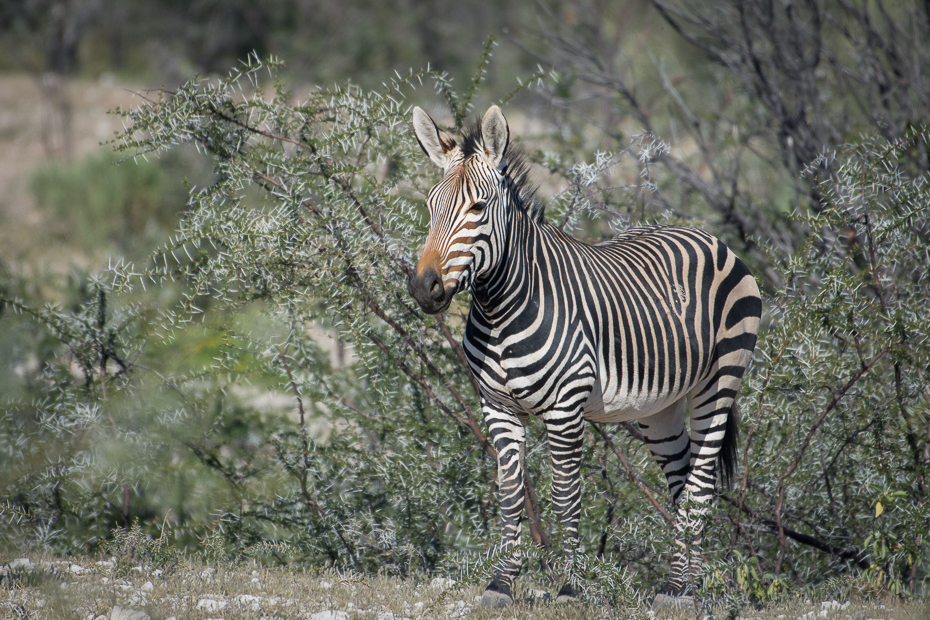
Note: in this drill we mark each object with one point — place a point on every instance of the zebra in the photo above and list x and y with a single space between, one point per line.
629 329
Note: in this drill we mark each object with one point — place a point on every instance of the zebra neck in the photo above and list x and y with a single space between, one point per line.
510 281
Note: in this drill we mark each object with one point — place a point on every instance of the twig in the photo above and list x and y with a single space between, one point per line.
633 477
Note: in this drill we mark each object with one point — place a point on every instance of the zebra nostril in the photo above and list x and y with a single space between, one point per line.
428 289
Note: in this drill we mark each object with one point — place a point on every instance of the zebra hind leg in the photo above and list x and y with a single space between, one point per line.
713 438
668 441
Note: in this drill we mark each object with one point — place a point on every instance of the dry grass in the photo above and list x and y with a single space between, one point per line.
112 589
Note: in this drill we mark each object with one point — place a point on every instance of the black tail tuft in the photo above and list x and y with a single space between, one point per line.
726 461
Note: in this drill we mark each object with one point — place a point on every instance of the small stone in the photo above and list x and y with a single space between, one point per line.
330 615
441 583
210 605
118 613
664 602
24 563
148 586
250 600
326 585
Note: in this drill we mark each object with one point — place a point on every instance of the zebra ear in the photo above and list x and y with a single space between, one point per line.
496 135
435 142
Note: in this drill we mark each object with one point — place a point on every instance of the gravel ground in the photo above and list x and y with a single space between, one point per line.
109 589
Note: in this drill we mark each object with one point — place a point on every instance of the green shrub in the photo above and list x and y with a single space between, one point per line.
381 463
106 201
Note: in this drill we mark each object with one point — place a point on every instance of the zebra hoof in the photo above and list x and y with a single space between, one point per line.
665 602
490 598
566 594
496 595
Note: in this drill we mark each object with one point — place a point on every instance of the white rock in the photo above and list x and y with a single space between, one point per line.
250 600
330 615
148 586
441 583
456 609
22 563
326 585
77 569
210 605
118 613
105 564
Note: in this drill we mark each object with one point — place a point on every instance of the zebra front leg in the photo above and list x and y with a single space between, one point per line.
566 436
508 434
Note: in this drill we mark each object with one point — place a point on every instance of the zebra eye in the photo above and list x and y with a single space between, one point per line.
478 207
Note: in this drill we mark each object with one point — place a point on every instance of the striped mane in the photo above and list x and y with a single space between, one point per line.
516 170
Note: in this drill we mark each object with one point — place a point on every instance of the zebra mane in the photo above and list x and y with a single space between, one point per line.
516 170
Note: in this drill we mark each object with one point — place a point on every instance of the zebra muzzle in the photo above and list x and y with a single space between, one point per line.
428 290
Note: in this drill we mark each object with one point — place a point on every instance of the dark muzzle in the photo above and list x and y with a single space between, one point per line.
429 292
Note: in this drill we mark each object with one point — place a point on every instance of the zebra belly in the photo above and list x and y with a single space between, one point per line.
625 407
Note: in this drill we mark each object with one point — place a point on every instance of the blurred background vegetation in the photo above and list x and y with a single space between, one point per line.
166 362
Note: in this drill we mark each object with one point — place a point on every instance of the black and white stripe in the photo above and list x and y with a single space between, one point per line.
631 329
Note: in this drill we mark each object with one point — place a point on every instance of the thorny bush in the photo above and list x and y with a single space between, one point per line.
294 261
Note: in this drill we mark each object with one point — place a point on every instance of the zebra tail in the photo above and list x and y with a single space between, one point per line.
727 456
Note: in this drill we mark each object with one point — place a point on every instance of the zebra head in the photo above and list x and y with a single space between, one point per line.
468 208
